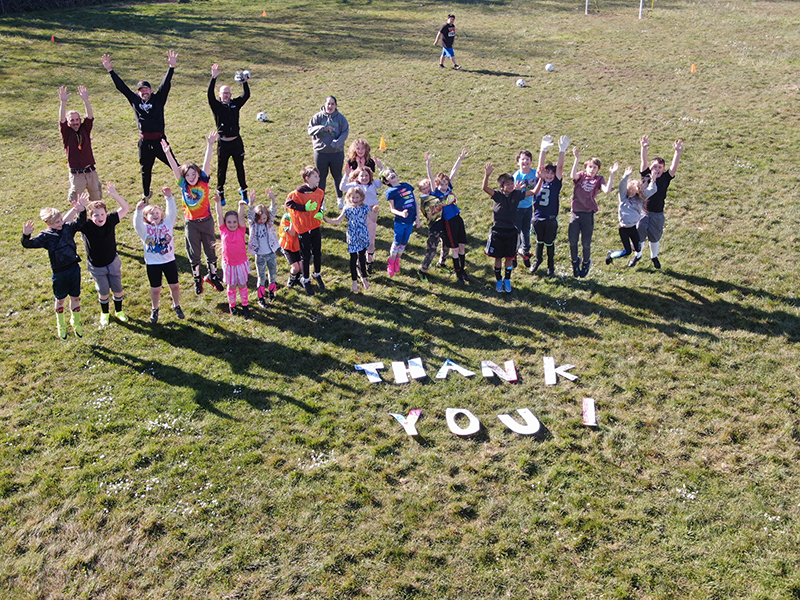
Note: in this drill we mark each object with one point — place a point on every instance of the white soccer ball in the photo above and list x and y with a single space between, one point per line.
261 116
549 67
520 82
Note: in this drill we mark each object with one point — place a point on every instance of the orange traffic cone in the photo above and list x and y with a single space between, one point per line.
382 145
694 70
52 38
264 14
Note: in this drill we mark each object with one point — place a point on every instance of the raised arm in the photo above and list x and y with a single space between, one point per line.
608 186
454 170
171 210
63 96
166 83
487 170
574 173
218 209
84 94
563 144
242 213
678 147
623 184
124 207
118 83
430 173
210 139
176 170
645 143
212 99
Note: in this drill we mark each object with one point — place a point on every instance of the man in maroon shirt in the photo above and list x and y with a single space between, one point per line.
76 135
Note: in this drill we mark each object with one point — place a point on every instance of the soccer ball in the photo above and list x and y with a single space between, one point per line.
242 76
261 116
520 82
549 67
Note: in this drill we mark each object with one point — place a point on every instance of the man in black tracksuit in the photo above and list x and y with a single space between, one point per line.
226 115
148 108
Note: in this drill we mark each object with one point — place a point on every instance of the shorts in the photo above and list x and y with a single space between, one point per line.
108 278
502 243
236 275
169 270
448 52
402 233
651 226
292 256
545 231
67 283
454 234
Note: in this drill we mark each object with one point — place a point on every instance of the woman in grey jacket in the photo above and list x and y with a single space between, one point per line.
328 130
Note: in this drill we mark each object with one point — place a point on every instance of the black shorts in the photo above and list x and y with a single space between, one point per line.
291 256
545 231
502 243
454 233
170 271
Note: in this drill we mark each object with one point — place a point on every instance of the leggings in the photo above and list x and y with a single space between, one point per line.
311 244
359 257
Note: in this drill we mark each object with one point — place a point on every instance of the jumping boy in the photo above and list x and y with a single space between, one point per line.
651 225
454 234
525 208
545 203
306 217
447 35
59 240
431 208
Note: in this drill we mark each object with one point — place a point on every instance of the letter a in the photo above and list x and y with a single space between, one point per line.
532 424
409 423
473 427
551 372
371 369
448 366
488 369
414 369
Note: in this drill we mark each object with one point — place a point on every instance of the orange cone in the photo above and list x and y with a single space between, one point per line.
52 38
264 14
693 69
382 145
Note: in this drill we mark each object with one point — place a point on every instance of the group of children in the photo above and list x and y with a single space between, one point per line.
525 204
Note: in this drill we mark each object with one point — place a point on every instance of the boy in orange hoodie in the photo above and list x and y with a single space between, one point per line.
305 208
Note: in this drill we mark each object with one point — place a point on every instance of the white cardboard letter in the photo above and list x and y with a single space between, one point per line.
488 369
473 427
371 369
448 366
551 372
532 424
414 369
409 423
589 414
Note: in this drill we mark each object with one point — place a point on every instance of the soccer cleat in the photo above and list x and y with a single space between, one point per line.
198 285
576 268
292 281
609 258
585 268
422 276
499 286
243 195
320 284
122 316
178 311
551 271
526 260
246 312
214 280
262 302
636 258
75 321
441 65
221 197
105 319
656 262
154 315
507 286
535 265
61 325
308 287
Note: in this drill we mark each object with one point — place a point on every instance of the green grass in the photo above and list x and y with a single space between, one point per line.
216 457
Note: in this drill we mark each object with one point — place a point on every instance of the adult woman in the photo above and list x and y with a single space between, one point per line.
328 130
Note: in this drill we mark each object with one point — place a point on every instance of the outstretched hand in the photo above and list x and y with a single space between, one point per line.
215 71
614 168
172 58
575 152
27 228
111 188
547 143
83 93
107 62
212 137
628 171
678 146
645 141
165 146
167 191
488 168
563 143
63 94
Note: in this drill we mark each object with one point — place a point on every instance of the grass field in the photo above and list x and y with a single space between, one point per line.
221 458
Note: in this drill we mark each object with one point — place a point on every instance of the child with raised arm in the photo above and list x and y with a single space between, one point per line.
502 242
631 197
103 262
156 228
235 264
59 240
431 207
546 203
264 243
454 234
584 204
403 205
525 209
304 206
651 225
356 212
364 178
193 182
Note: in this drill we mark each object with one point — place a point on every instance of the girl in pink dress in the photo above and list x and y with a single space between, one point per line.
235 263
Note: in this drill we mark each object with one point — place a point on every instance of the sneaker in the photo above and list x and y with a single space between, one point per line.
122 316
232 309
365 283
354 287
609 258
178 311
551 271
576 268
422 276
320 283
271 291
340 203
262 302
460 276
507 286
61 325
456 67
213 279
105 319
585 268
308 287
243 194
441 65
656 262
370 269
292 281
634 260
146 197
526 260
154 315
198 285
221 195
444 266
514 262
75 321
246 312
465 276
499 286
535 265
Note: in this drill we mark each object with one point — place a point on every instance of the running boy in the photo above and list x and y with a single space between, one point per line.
651 225
59 240
447 35
103 262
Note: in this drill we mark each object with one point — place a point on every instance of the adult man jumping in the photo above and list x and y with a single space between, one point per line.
76 135
149 110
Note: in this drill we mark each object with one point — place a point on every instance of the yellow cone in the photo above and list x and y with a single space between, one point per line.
382 145
693 69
